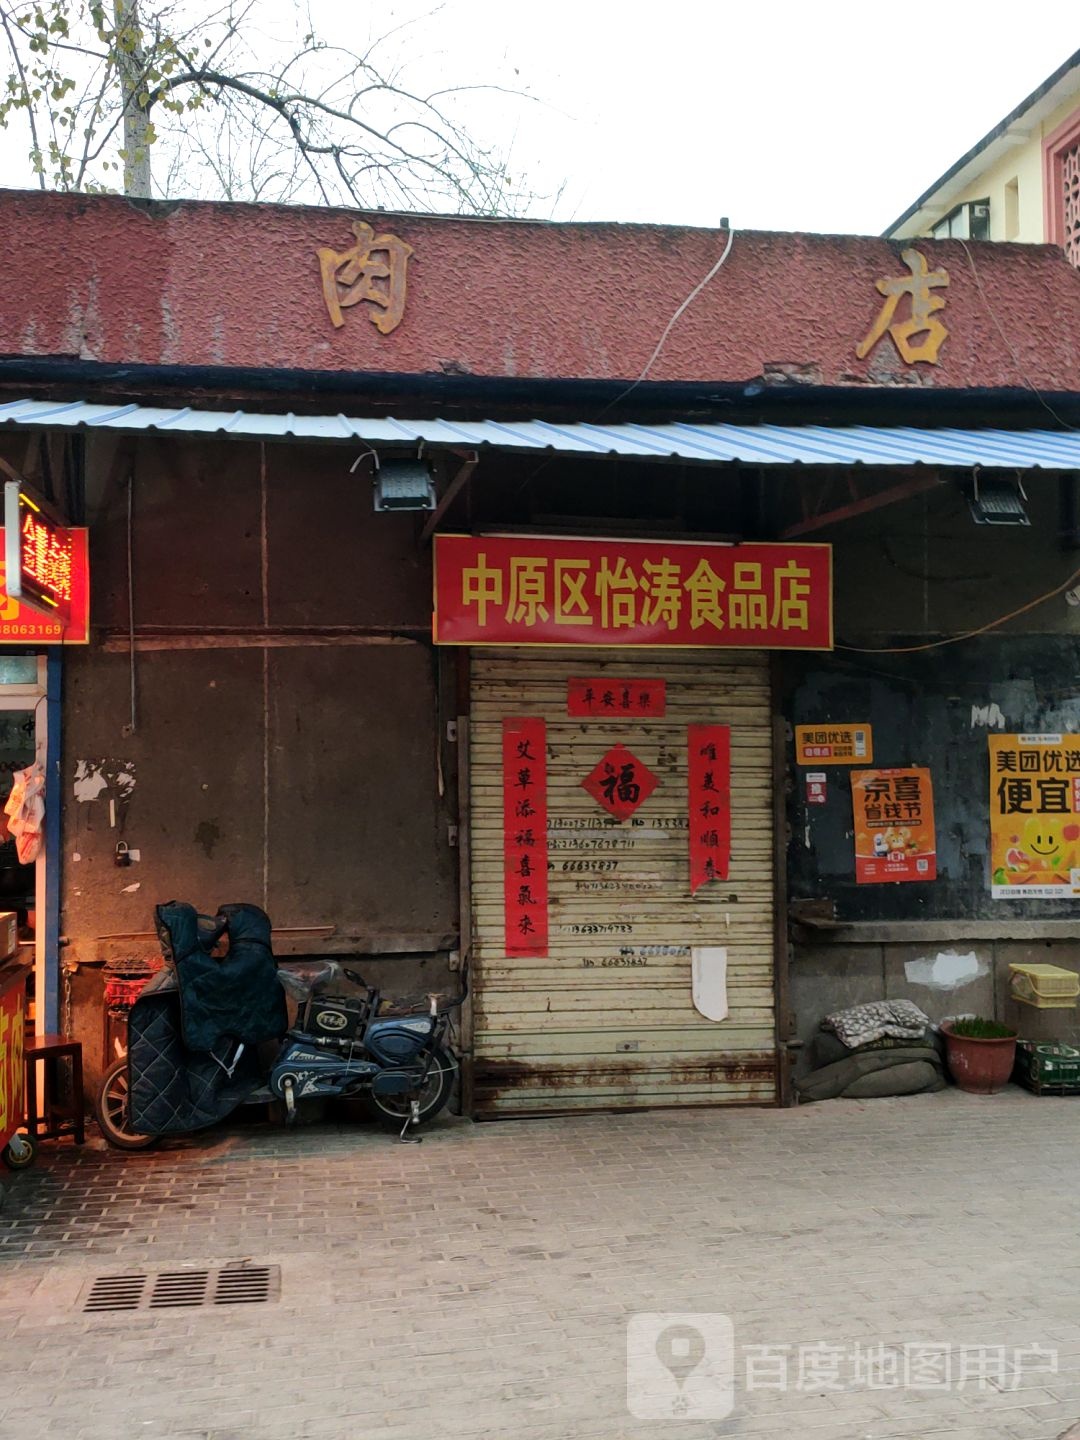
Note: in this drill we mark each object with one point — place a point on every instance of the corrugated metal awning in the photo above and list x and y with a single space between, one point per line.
708 444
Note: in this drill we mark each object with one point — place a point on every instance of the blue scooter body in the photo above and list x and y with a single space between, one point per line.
386 1057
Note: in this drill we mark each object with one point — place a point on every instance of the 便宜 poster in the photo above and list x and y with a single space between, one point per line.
1034 816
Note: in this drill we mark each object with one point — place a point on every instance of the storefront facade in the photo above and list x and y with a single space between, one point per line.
275 705
620 811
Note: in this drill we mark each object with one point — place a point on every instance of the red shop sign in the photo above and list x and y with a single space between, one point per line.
618 699
22 625
709 792
525 874
524 590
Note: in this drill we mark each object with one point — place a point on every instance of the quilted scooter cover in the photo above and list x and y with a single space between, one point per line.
173 1089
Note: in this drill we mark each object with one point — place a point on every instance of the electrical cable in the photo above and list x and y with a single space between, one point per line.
547 463
968 634
679 312
1008 343
133 722
685 306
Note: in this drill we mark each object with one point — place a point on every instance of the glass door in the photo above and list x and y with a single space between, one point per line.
18 881
23 737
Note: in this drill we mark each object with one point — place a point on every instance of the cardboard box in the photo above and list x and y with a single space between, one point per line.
9 934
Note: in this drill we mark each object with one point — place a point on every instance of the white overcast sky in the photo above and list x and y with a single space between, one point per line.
826 116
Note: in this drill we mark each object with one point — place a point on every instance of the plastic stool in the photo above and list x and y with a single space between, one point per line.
47 1118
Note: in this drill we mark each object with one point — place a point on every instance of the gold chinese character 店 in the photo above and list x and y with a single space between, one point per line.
922 319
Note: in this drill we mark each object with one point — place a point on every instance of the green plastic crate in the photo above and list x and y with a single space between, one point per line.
1049 1067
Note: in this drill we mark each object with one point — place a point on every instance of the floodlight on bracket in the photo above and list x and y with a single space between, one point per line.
404 485
400 484
997 500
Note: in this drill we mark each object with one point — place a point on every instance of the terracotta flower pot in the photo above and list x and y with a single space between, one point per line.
981 1067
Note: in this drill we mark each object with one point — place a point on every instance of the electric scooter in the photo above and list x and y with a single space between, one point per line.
338 1045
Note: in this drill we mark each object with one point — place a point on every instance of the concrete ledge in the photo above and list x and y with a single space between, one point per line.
918 932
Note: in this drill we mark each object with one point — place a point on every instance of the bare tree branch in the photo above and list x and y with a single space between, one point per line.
234 108
20 71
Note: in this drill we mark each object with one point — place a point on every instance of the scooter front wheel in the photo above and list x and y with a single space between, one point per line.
19 1152
112 1108
433 1096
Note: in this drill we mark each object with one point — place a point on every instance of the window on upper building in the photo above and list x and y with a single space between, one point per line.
970 221
1070 183
1067 177
1012 208
1061 162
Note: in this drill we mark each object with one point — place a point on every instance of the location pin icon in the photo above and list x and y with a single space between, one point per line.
680 1349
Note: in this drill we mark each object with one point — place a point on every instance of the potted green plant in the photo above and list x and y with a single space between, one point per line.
979 1053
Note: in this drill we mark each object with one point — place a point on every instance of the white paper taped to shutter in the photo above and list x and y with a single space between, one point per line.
708 965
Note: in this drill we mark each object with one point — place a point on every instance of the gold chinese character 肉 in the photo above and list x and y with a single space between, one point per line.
373 270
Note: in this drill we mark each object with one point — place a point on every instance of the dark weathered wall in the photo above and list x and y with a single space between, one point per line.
932 708
924 568
906 576
289 744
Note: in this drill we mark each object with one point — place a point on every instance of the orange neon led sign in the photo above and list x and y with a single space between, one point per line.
39 556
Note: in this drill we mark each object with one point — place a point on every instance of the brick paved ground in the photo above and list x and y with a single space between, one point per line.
480 1285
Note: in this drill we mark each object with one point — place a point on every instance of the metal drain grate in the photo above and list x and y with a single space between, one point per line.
247 1285
116 1292
183 1289
179 1287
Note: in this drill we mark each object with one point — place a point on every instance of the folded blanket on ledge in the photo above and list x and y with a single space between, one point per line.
863 1024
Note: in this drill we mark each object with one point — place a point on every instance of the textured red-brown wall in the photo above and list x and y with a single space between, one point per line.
103 279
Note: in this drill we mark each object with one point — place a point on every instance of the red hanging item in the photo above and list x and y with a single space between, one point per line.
525 872
709 807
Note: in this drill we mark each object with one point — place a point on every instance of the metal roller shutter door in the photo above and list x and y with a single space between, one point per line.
607 1019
